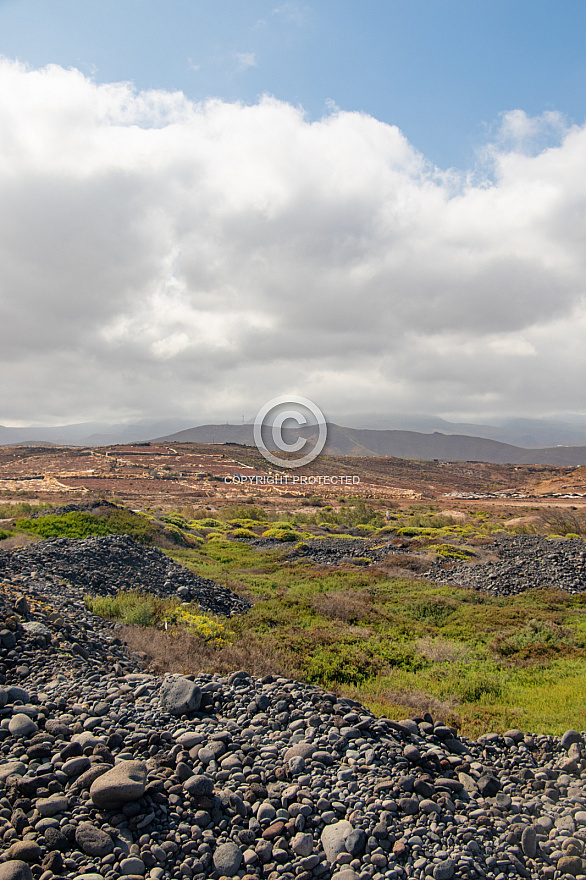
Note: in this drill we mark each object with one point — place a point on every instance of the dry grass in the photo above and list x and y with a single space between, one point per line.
404 564
442 651
561 521
419 703
351 607
175 650
20 540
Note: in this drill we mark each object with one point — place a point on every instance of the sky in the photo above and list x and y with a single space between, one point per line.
380 206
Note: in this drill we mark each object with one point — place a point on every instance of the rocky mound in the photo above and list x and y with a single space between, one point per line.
335 551
524 562
107 771
90 506
104 565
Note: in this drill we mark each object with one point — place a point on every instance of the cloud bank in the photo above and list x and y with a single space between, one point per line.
160 257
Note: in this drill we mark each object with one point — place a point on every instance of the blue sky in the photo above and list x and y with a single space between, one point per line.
379 206
441 71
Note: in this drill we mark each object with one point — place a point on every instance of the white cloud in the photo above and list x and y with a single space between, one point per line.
245 60
161 258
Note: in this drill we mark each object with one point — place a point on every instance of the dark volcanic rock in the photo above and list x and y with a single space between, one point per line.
102 566
179 695
524 562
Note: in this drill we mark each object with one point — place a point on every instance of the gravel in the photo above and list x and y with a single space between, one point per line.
107 564
524 562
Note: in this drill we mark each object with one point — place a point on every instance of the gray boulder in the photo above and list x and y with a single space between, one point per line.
529 842
16 693
15 869
26 851
444 870
93 841
333 839
199 786
179 695
126 781
570 737
488 785
355 843
302 845
227 859
11 768
21 725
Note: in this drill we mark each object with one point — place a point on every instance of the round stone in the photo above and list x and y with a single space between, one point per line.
15 869
227 859
125 782
22 726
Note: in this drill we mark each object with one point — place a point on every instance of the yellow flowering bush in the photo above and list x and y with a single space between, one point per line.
208 628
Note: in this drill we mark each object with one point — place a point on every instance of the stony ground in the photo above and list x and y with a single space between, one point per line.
108 771
105 565
524 562
337 551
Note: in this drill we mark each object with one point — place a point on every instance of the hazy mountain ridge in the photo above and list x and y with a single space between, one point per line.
429 437
398 444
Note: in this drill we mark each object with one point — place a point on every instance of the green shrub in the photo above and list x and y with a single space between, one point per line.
67 525
4 534
282 534
175 519
23 508
80 524
448 551
243 533
429 610
480 687
133 608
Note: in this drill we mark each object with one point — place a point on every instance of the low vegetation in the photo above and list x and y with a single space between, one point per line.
400 645
134 608
86 524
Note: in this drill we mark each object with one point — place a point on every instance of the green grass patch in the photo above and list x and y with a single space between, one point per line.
80 524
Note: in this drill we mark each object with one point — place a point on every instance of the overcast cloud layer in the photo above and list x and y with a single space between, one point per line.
162 258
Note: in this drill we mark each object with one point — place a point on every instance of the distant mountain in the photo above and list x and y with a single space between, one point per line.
529 433
518 441
399 444
90 433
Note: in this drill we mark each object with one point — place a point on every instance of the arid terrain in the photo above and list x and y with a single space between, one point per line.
165 475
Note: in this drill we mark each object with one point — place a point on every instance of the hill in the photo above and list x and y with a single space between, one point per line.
399 444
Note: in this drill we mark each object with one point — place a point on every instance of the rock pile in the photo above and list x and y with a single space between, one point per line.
107 771
107 564
336 551
524 562
91 506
